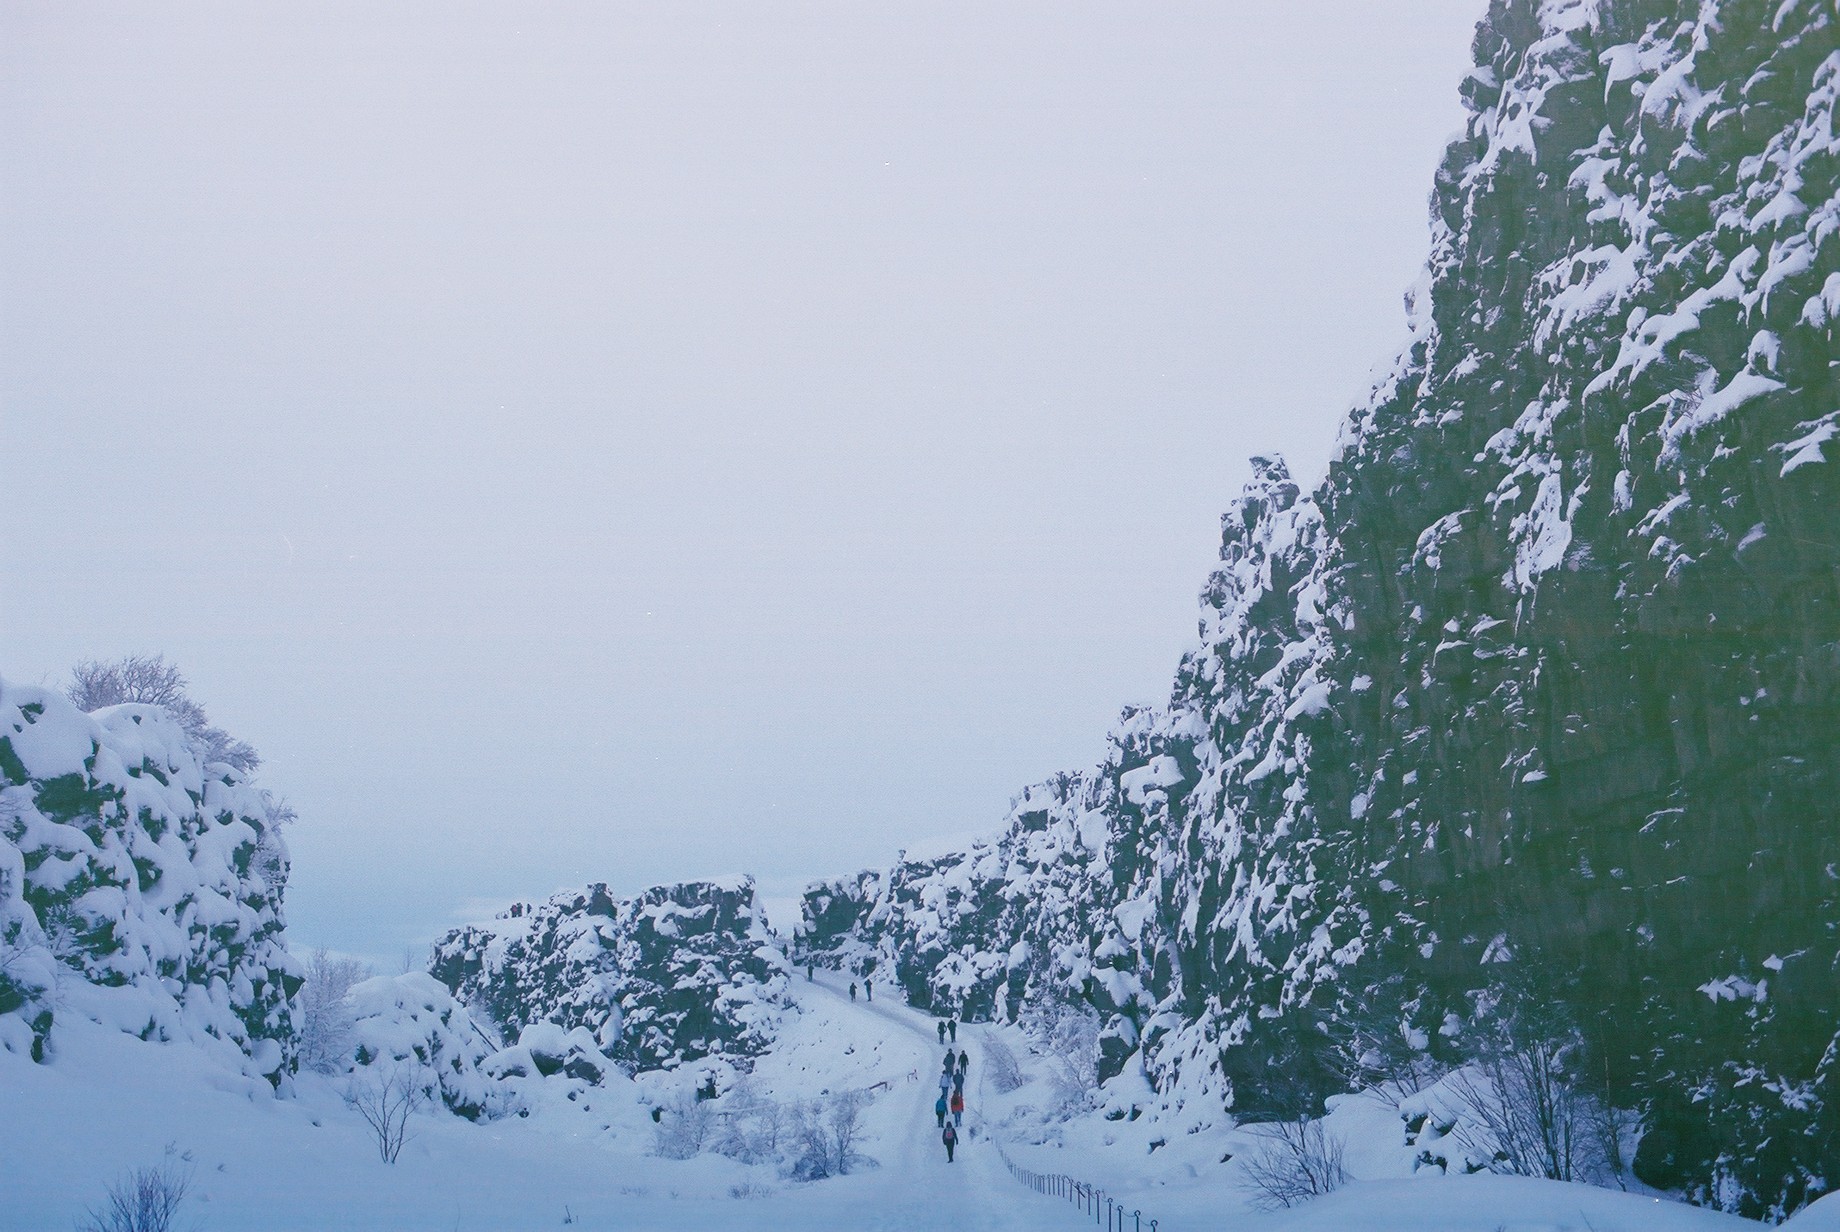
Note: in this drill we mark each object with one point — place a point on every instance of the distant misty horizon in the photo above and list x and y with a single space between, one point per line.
635 444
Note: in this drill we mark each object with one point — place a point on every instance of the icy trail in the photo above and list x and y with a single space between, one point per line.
108 1102
915 1189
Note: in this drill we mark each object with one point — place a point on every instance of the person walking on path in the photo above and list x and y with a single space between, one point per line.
945 1084
964 1061
811 970
950 1138
942 1030
939 1110
852 990
952 1029
869 988
958 1106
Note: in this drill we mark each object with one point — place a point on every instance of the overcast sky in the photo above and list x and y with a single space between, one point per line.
633 442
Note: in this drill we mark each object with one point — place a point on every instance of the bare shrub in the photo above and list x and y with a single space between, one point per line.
1521 1116
755 1130
386 1096
150 680
1000 1064
1297 1160
1526 1113
326 1025
145 1200
1374 1045
1068 1037
684 1128
826 1132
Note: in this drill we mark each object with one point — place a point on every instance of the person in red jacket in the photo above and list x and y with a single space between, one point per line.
958 1105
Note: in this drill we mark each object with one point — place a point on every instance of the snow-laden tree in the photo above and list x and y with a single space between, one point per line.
325 1013
150 680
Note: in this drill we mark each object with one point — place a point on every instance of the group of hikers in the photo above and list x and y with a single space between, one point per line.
951 1092
868 989
951 1101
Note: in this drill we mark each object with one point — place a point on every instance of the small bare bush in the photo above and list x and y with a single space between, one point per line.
1521 1116
1069 1038
1374 1046
146 1200
826 1132
1297 1160
1000 1064
684 1128
326 1026
1525 1109
386 1097
755 1129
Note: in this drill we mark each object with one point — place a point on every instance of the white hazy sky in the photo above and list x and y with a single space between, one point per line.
630 442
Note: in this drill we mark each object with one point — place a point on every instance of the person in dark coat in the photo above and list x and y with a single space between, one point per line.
950 1138
964 1061
942 1031
952 1029
869 988
852 990
939 1110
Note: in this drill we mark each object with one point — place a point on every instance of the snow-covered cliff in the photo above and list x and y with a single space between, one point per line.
1544 675
139 887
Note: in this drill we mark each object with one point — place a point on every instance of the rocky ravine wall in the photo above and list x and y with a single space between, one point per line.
678 974
1546 670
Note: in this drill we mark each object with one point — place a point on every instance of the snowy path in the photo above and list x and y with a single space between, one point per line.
107 1101
915 1189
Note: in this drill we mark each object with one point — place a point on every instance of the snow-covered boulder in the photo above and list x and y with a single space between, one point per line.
411 1025
544 1048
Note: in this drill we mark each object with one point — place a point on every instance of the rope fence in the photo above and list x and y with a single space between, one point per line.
1106 1212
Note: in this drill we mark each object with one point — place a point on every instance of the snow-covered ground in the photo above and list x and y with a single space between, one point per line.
108 1102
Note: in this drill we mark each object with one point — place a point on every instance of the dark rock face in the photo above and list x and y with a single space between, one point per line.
678 974
1546 670
1585 546
138 886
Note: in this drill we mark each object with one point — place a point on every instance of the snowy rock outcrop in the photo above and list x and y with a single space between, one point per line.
139 887
675 975
1543 677
408 1033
